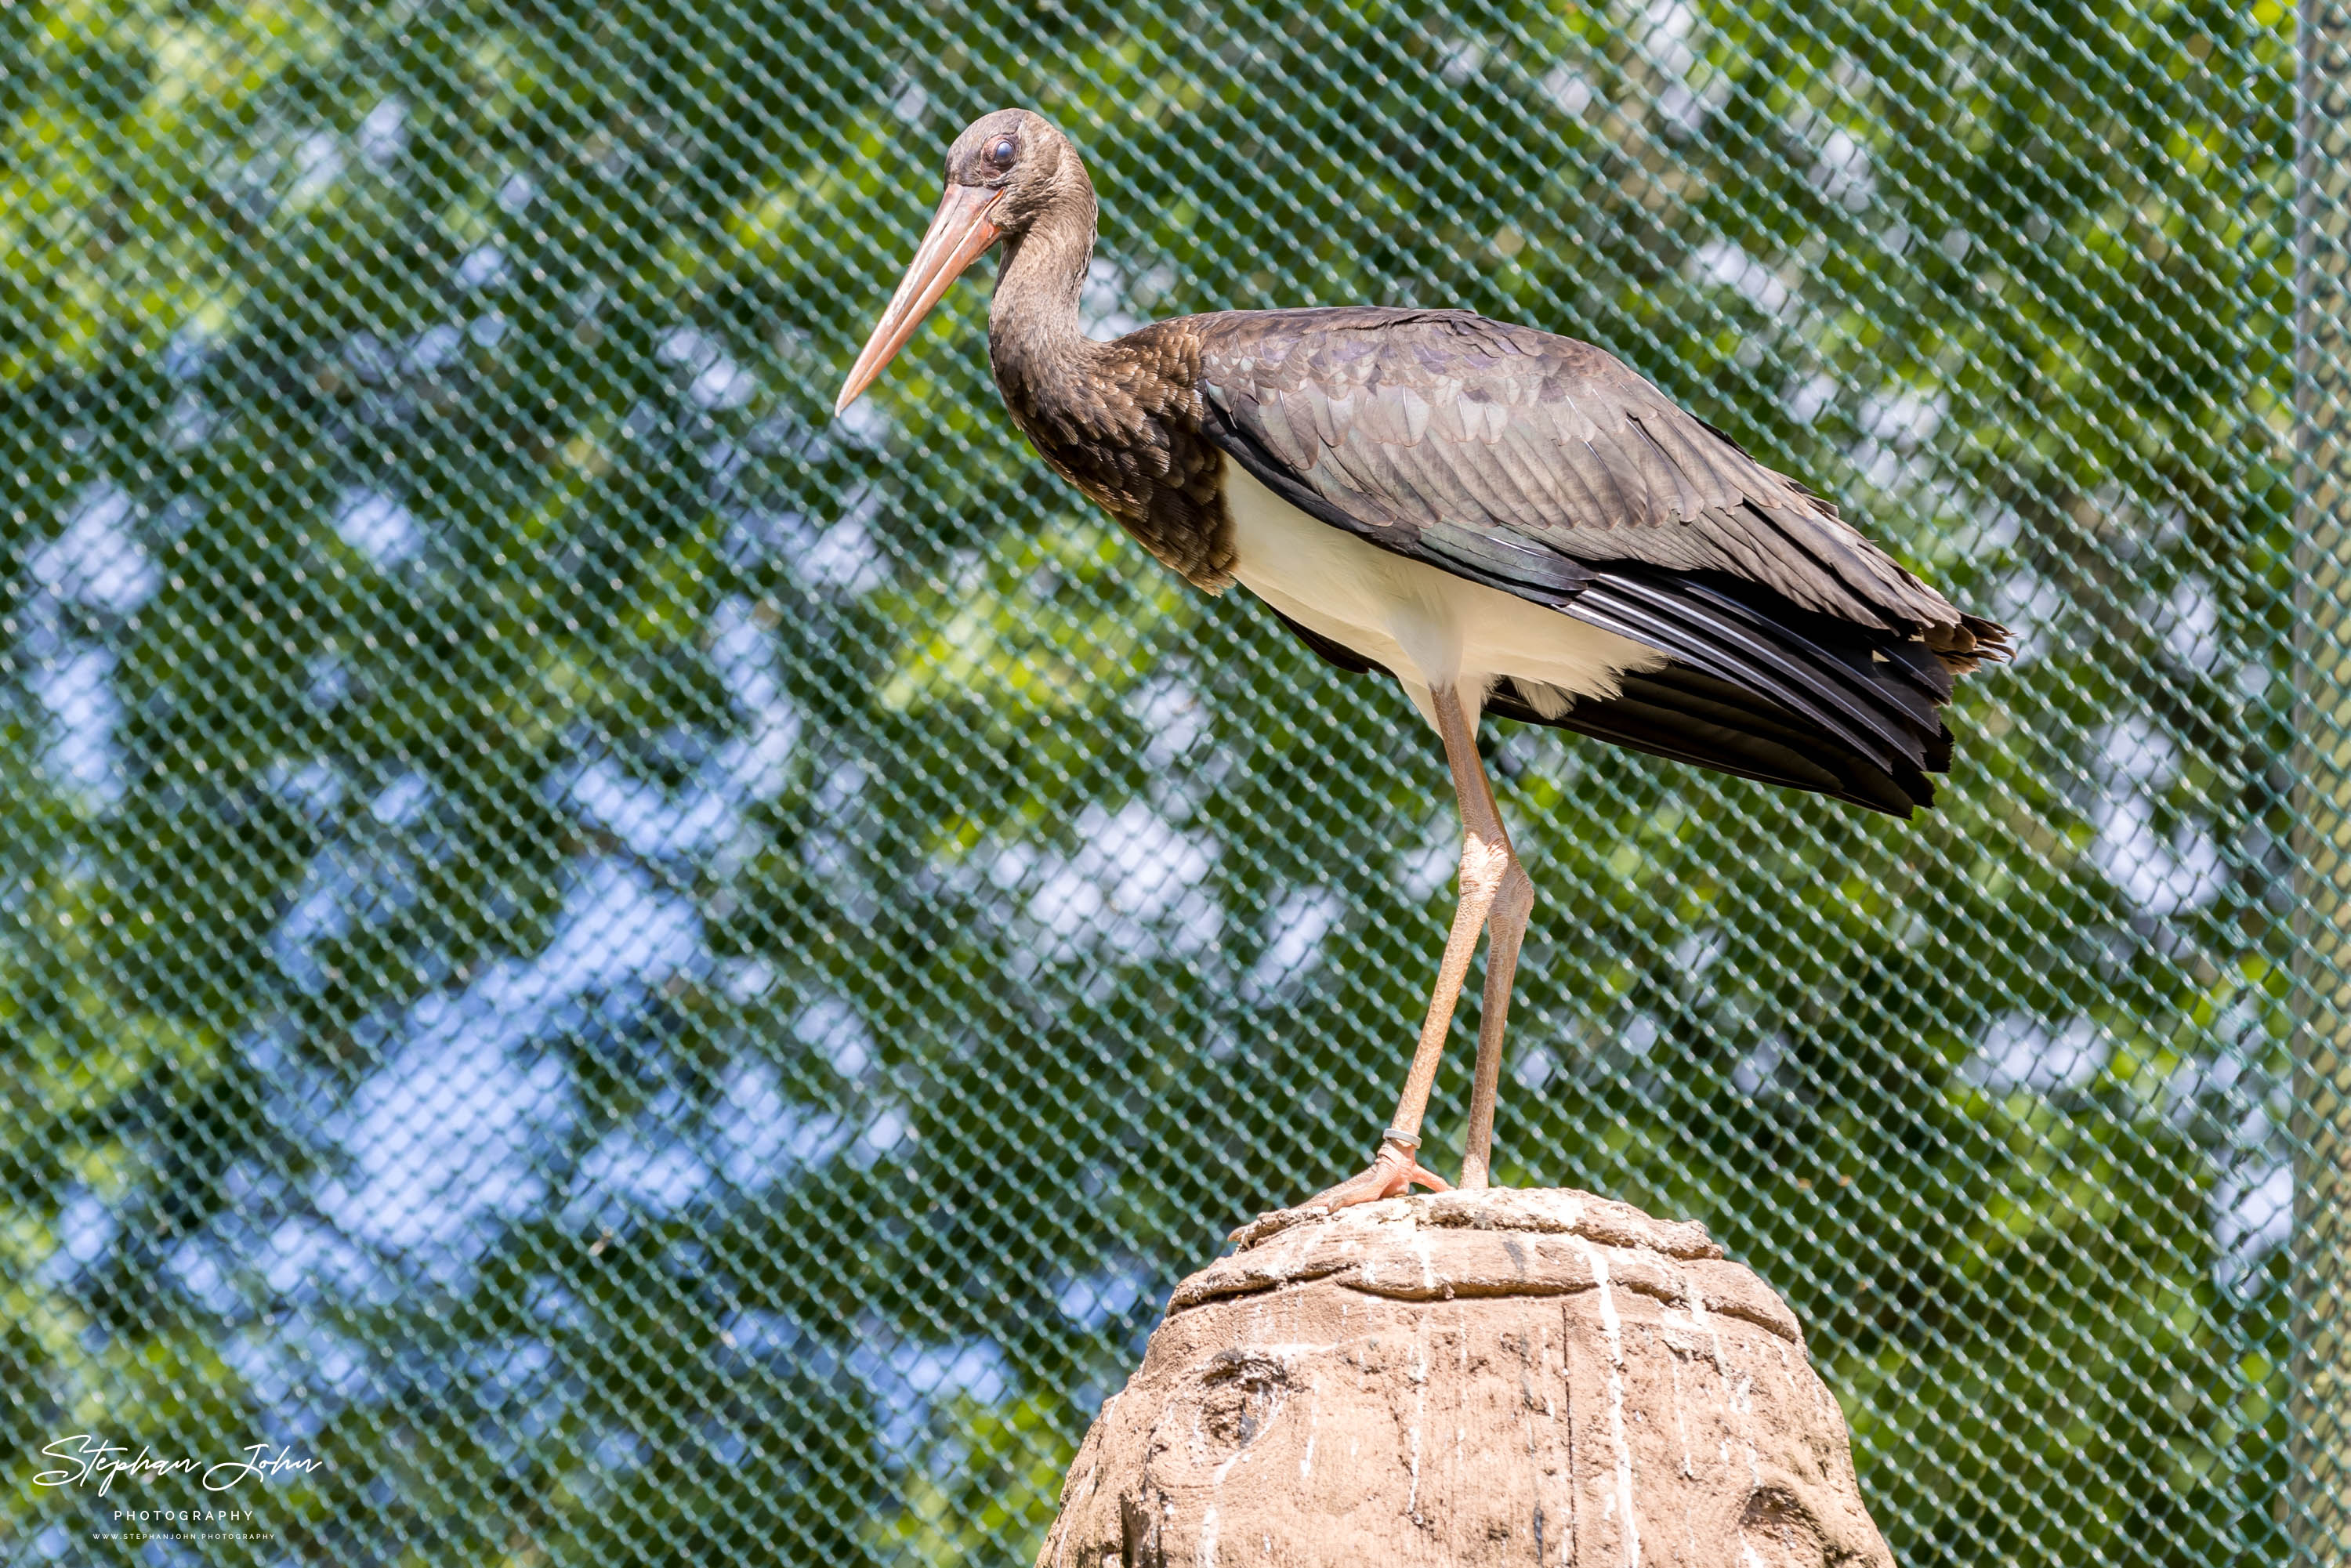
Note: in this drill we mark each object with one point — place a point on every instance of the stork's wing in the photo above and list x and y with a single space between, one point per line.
1543 466
1497 451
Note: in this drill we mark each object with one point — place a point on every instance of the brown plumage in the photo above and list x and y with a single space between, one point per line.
1503 519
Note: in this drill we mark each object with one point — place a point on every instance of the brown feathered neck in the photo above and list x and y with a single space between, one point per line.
1041 354
1119 420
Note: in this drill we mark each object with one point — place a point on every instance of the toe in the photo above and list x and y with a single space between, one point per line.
1425 1176
1392 1176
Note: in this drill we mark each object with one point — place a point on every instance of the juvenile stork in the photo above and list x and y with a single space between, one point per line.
1504 520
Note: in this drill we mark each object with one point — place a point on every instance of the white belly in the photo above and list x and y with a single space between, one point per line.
1430 628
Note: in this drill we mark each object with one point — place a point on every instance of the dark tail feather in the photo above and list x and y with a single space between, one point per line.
1688 716
1758 688
1871 693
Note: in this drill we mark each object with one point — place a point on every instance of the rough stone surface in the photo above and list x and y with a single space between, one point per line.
1504 1376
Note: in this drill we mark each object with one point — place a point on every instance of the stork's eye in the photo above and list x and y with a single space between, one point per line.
1000 156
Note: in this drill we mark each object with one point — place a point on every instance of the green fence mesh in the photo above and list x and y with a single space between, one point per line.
658 978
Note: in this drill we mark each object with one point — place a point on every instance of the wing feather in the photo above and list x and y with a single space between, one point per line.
1803 654
1410 420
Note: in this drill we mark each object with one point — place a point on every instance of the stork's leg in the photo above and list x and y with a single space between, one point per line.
1492 884
1506 929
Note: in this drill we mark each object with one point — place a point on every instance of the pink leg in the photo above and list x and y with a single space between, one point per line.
1493 884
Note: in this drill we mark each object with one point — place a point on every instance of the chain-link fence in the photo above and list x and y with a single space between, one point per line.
654 976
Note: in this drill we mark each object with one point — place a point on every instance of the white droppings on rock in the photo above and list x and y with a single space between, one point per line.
1681 1416
1787 1375
1694 1299
1742 1405
1612 1332
1419 1414
1306 1460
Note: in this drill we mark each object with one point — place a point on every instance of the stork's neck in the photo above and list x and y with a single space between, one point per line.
1119 420
1039 352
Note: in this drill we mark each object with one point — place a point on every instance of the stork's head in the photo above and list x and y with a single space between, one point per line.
1003 174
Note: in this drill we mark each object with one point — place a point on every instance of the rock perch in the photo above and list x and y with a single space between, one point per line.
1503 1376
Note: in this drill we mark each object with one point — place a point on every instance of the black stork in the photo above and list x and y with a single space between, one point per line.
1504 520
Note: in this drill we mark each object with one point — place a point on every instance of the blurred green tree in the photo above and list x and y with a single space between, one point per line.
660 978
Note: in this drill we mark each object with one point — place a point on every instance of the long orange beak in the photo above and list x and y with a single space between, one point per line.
960 232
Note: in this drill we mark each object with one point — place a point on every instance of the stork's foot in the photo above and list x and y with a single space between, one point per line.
1392 1175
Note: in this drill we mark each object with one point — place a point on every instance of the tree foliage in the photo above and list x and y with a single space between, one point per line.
662 978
